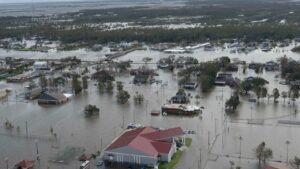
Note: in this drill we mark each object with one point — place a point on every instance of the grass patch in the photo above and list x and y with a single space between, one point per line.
176 157
188 142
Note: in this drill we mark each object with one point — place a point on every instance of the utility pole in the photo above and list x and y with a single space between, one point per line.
208 139
26 128
241 139
123 119
216 127
287 151
6 161
200 160
37 150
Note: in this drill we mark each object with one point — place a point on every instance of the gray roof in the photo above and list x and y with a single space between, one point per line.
52 96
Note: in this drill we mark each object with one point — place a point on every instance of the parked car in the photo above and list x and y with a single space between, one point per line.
99 163
178 143
134 126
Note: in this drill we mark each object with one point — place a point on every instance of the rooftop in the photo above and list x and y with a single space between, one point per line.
147 140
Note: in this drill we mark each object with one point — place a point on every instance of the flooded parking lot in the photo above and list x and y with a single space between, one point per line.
216 133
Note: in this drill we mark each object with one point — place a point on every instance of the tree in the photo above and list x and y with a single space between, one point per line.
208 74
232 103
284 95
244 68
123 66
8 125
246 86
51 83
284 65
101 87
51 130
76 87
257 69
43 81
262 153
123 96
231 164
109 87
85 71
85 82
259 151
268 153
258 92
224 61
276 94
264 92
120 86
138 98
91 110
296 162
294 95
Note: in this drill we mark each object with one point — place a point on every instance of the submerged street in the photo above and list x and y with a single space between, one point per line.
218 139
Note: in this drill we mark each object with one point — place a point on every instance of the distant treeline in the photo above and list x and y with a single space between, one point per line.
155 35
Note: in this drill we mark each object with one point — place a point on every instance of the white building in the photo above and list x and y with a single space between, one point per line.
41 65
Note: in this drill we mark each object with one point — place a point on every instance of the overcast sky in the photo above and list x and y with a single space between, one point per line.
22 1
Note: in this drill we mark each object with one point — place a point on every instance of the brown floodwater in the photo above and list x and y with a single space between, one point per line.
73 129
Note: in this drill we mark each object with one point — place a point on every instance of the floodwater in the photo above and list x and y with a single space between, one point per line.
217 133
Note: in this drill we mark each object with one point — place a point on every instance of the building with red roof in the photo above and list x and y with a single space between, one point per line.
143 146
25 164
274 166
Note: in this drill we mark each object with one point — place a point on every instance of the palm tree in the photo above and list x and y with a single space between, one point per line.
258 92
276 94
264 92
296 162
262 153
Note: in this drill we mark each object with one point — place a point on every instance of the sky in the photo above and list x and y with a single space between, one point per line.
29 1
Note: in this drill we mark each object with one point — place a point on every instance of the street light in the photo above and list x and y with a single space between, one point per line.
241 139
6 161
287 151
37 149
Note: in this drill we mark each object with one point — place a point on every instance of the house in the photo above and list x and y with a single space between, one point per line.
25 164
231 67
52 98
271 66
103 76
149 72
253 65
41 65
190 85
33 93
143 147
224 79
180 98
295 84
140 79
